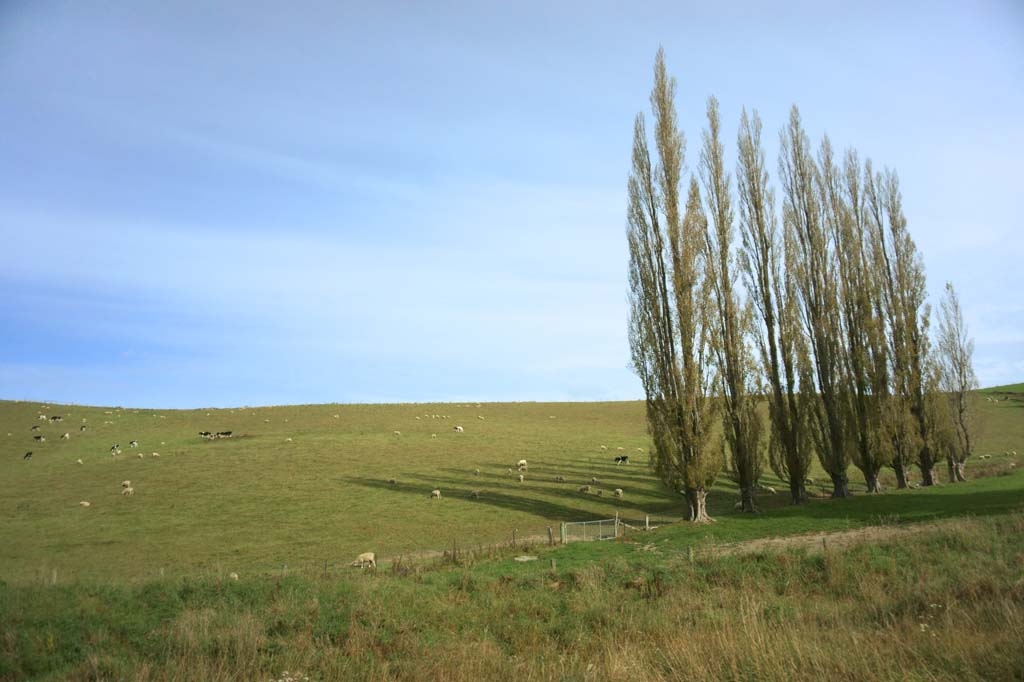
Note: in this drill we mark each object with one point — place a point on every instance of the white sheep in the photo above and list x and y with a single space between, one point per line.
435 494
585 489
476 472
366 559
233 575
155 454
617 492
398 433
126 484
83 503
521 478
141 455
433 435
480 417
458 429
768 489
66 436
128 491
521 464
620 449
593 480
79 461
604 447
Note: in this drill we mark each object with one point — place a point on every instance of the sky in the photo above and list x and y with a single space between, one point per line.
250 203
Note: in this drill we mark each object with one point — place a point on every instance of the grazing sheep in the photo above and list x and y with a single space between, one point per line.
768 489
141 455
585 489
435 494
475 494
738 506
604 447
155 454
521 478
600 493
83 503
593 480
639 449
66 436
458 429
521 464
417 418
560 479
392 481
28 455
337 416
287 440
476 472
433 435
42 417
620 449
266 421
366 559
617 492
233 576
126 484
510 472
78 461
128 491
480 417
398 433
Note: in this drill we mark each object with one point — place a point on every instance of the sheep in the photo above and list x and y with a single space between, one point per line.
738 506
620 449
78 461
81 429
287 440
639 449
233 575
66 436
366 559
42 417
560 479
593 480
510 471
141 455
155 454
521 464
417 418
476 472
768 489
392 481
127 491
83 503
600 493
126 484
266 421
604 447
480 417
337 416
435 494
458 429
521 478
585 489
433 435
56 419
398 433
475 494
617 492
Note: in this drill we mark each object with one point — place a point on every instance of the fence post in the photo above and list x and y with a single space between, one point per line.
513 537
616 524
565 538
551 536
647 522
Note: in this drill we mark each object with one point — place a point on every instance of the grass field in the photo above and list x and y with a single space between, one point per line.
137 588
259 500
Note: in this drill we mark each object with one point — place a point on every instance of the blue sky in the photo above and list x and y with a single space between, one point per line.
263 203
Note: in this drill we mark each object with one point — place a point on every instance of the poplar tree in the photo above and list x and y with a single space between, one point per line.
668 322
730 318
771 291
814 270
957 380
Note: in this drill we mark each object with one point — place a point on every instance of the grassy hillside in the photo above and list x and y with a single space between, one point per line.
306 484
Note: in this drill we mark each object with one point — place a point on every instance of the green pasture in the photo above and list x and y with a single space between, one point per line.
301 485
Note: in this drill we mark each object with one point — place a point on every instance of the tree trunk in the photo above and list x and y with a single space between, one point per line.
901 476
797 491
747 500
927 473
697 509
958 470
840 485
951 465
871 480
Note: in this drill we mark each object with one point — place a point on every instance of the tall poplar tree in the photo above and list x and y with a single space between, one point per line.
668 322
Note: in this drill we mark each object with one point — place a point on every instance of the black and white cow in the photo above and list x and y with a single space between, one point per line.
28 455
622 459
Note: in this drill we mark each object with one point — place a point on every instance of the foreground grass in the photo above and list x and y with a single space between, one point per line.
945 603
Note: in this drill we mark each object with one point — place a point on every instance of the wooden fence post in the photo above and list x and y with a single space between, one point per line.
564 534
647 522
513 537
616 524
551 536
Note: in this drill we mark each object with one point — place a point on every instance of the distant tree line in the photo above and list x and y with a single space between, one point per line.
816 307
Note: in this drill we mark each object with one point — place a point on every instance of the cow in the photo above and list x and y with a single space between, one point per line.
40 439
35 428
133 444
56 419
223 434
28 455
624 459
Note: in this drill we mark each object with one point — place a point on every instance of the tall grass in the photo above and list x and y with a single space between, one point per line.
946 603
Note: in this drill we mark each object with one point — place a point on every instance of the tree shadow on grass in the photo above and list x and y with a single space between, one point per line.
519 499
